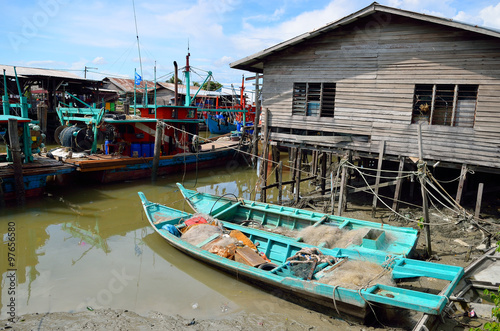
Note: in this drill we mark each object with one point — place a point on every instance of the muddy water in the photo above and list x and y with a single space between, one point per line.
89 247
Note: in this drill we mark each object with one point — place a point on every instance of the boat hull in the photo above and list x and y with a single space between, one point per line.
219 127
34 177
281 279
385 238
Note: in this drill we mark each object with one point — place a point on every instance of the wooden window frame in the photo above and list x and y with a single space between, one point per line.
431 117
323 101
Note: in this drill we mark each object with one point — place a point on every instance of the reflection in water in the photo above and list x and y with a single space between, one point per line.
92 246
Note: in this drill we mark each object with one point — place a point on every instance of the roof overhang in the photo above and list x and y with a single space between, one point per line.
254 63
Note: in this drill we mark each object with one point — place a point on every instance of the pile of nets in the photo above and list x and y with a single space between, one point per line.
358 274
332 237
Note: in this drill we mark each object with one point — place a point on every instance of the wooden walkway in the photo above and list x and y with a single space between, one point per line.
40 166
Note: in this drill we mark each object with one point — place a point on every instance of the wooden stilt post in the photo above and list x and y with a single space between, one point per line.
276 160
293 171
333 184
343 192
42 116
399 181
479 199
377 180
423 174
314 163
255 140
158 143
265 156
280 182
17 162
298 175
463 177
323 173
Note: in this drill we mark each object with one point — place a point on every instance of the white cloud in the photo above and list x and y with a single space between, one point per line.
223 61
99 60
491 16
256 38
49 64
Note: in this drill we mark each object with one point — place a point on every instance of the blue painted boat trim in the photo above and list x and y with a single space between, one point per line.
217 128
382 294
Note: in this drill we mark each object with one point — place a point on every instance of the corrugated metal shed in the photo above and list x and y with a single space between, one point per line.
127 85
25 72
182 90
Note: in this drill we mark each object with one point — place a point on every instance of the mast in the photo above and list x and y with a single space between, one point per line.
135 90
155 90
188 82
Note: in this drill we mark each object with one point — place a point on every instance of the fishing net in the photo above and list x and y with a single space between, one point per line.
331 237
197 234
304 262
358 274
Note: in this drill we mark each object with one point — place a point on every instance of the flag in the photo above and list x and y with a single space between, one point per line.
138 79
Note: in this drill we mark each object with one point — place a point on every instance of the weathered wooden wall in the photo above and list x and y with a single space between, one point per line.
376 63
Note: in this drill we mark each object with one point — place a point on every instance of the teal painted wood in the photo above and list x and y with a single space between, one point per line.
278 248
394 240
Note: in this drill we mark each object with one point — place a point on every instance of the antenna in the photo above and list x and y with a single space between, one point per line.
137 35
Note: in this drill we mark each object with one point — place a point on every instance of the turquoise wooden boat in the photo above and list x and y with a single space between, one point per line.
382 237
278 273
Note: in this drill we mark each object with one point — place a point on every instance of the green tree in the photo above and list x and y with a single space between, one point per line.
211 86
172 80
196 84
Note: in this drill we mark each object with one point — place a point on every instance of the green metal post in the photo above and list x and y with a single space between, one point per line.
206 79
5 97
26 139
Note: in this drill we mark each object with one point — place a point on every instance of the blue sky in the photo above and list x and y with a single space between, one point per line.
70 34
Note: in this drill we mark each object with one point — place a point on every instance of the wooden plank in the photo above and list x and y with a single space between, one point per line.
399 181
478 200
463 176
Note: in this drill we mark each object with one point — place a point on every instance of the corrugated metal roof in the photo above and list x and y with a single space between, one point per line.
127 85
254 62
25 72
181 89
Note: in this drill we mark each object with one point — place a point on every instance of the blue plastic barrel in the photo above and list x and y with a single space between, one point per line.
135 147
145 150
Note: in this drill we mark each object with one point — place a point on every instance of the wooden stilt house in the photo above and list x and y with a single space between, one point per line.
375 76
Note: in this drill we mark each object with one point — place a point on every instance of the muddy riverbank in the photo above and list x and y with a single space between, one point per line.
73 243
